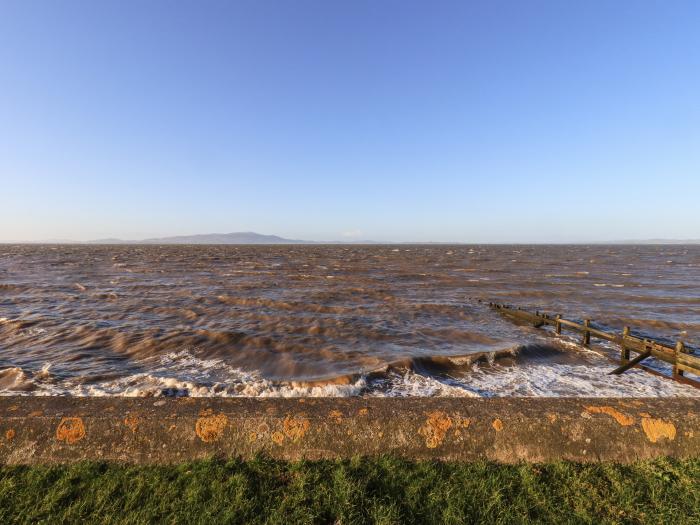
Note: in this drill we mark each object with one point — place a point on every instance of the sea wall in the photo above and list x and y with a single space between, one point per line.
157 430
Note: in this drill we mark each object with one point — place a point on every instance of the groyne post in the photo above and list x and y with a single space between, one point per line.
624 350
680 349
680 357
586 340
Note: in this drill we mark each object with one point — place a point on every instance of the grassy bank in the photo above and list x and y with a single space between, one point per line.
383 490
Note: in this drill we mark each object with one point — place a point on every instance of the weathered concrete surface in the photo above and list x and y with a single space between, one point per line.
152 430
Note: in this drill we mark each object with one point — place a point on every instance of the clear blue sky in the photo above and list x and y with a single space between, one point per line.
389 120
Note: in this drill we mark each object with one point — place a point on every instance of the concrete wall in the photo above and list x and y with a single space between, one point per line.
152 430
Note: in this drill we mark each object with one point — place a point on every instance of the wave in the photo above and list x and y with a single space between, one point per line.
16 380
531 371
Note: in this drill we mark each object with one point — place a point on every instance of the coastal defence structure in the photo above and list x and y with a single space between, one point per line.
679 356
40 430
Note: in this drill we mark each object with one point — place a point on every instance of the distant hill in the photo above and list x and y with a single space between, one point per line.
258 238
211 238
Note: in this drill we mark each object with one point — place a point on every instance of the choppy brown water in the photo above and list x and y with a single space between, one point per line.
330 320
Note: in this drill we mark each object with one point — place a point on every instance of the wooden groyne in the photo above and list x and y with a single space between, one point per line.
679 356
40 430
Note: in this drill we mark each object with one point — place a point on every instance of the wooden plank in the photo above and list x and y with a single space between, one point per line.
689 362
571 324
600 334
689 369
628 343
663 356
642 345
603 335
659 352
630 364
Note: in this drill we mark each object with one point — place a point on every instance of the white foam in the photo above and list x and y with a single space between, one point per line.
411 384
559 380
184 374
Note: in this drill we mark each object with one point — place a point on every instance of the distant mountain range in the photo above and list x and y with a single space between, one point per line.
223 238
210 238
257 238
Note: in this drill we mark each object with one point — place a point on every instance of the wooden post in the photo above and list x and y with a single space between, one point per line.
680 349
678 355
625 352
586 334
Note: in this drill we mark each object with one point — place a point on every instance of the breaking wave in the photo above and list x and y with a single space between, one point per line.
529 371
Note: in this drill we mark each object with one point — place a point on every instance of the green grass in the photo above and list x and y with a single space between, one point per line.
380 490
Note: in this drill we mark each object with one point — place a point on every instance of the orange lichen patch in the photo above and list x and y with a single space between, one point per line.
644 414
622 419
295 427
497 425
657 429
70 429
211 428
363 411
552 417
277 437
462 422
435 428
10 434
132 422
252 437
336 415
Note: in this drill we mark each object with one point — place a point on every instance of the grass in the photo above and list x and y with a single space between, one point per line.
379 490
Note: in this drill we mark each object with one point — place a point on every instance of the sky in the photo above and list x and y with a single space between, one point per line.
493 121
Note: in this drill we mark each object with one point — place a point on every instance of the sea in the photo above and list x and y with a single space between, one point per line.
335 320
